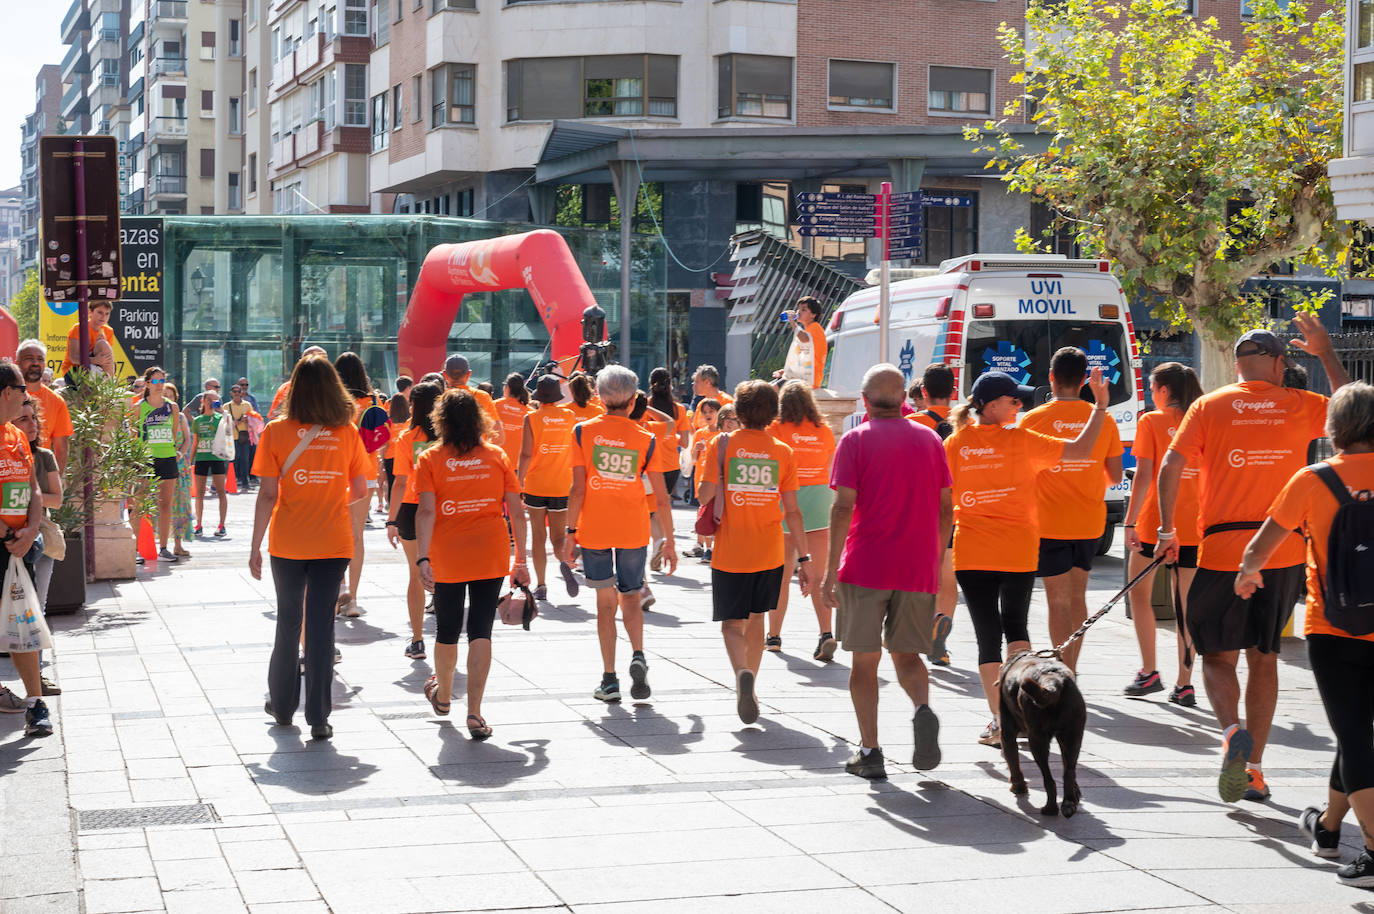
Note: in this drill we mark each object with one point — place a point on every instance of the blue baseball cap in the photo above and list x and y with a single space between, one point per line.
992 385
1265 340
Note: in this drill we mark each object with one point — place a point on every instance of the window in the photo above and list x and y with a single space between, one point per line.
417 88
379 135
621 85
252 172
235 41
861 84
355 95
235 124
276 45
207 163
355 17
381 23
1363 89
396 107
451 94
400 9
1364 23
754 86
207 103
235 191
960 90
462 203
951 231
1247 9
452 5
253 89
250 12
328 93
207 45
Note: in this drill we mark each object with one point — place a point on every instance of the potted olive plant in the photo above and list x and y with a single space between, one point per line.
106 452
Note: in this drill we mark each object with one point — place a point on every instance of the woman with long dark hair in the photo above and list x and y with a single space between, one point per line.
418 437
545 473
1173 387
310 465
511 410
155 421
398 418
672 436
585 403
353 376
464 483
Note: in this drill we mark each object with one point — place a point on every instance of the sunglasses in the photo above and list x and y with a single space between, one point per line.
158 381
17 387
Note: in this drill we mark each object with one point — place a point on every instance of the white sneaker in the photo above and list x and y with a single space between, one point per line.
10 703
991 735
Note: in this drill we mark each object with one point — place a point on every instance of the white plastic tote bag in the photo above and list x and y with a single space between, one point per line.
25 628
223 445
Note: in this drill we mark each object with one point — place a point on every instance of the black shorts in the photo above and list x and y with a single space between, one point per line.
1219 620
1187 555
165 467
1060 556
405 521
737 595
211 467
547 502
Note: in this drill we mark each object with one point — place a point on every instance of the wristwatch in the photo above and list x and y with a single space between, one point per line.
569 529
803 558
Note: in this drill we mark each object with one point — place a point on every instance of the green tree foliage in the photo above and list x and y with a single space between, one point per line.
24 306
1190 161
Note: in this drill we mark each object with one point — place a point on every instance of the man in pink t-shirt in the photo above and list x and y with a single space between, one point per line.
888 529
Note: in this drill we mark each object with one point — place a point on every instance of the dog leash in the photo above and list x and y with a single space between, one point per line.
1058 652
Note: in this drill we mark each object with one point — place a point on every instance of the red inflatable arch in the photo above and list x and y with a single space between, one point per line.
539 261
9 334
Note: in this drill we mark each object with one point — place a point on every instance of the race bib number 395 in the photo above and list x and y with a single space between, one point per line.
615 462
753 475
15 496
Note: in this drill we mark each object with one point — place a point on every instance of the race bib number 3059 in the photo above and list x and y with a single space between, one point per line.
753 475
615 462
14 496
159 434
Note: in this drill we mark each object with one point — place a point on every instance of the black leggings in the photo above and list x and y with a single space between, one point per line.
982 592
482 597
309 586
1344 670
670 479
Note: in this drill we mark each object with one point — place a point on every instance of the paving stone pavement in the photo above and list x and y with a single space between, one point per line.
667 805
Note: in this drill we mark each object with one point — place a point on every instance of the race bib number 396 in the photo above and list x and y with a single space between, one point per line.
753 475
615 462
14 496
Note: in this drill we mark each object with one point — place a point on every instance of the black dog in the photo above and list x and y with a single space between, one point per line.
1040 698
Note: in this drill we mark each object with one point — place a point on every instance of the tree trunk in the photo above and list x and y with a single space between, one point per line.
1216 358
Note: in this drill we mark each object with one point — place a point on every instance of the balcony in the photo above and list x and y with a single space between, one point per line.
169 66
134 199
74 101
76 61
77 18
167 127
168 185
168 12
309 53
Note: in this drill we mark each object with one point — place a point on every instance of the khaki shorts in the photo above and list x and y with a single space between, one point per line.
869 620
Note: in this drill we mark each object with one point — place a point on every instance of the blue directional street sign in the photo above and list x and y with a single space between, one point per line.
869 199
805 219
835 231
837 208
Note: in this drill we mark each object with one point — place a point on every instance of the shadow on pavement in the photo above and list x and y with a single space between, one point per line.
463 760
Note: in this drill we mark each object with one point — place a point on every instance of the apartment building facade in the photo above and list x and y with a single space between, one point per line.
43 121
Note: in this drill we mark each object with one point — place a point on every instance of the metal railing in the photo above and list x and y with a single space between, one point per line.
168 9
169 65
175 126
169 184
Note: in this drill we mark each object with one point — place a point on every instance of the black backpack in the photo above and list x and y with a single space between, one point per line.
1348 586
942 426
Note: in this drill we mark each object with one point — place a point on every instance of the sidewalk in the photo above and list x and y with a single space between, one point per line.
166 788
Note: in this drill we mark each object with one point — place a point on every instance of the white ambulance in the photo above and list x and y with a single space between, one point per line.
1008 312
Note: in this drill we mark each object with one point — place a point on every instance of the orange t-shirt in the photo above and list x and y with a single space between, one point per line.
370 473
615 453
699 461
469 542
994 471
549 473
310 519
721 397
278 399
665 451
1152 437
73 356
758 468
16 477
396 429
921 418
1068 496
1247 440
1306 502
412 443
512 415
813 446
583 413
54 418
485 401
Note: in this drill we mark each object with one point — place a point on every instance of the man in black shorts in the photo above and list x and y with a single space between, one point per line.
1247 440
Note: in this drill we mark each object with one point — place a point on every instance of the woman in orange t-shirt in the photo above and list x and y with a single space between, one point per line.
310 466
417 438
398 411
1173 387
585 404
510 411
759 486
355 381
546 477
996 540
800 427
464 483
672 438
713 418
1342 662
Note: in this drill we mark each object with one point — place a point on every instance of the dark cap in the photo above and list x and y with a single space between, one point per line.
457 366
1266 341
547 390
992 385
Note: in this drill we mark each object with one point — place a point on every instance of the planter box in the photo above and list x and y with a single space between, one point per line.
114 543
67 591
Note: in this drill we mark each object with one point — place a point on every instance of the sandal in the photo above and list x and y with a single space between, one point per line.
432 693
479 732
181 553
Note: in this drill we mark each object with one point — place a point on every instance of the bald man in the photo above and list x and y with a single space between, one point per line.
889 526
